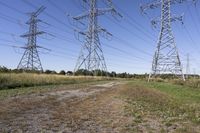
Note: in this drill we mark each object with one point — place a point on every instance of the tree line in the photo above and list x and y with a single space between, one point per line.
84 72
80 72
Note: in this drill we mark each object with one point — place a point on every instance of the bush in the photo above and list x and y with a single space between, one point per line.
178 82
62 72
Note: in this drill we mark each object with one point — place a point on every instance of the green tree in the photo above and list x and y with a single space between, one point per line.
62 72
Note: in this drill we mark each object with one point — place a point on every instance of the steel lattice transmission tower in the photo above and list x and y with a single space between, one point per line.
188 66
166 59
91 56
30 59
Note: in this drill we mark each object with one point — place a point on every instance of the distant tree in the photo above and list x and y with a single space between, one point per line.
97 73
122 75
17 71
48 71
4 69
62 72
53 72
69 73
113 74
83 72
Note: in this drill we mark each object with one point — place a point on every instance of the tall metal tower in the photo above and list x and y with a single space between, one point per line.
188 66
30 59
166 59
194 73
91 56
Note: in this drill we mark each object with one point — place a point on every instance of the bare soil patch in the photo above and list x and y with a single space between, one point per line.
96 108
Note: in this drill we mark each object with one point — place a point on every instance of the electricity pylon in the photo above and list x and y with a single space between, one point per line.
194 73
166 59
188 66
91 56
30 59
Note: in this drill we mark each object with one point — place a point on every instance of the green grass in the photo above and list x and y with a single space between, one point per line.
180 92
166 103
12 80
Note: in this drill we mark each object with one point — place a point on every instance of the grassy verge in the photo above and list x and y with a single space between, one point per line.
12 80
45 88
192 82
162 107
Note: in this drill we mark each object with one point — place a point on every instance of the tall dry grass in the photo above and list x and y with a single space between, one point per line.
194 83
13 80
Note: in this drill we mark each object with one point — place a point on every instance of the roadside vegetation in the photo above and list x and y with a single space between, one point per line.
17 80
162 107
15 85
192 82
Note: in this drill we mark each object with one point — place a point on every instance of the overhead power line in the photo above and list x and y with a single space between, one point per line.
30 59
166 59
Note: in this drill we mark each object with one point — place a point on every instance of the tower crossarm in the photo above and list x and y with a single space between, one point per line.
33 34
157 3
98 12
177 18
103 11
174 18
151 5
82 16
40 10
35 21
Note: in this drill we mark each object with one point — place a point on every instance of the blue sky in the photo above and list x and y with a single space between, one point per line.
130 50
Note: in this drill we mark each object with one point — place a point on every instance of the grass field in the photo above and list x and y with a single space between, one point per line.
162 107
122 105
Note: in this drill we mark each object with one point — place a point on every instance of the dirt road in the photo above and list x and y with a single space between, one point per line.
96 108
